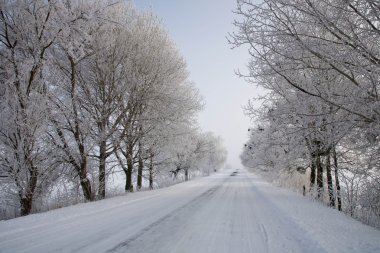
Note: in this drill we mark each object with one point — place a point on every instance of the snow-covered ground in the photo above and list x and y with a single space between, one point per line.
226 212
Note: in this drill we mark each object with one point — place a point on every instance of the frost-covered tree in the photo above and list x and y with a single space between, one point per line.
194 151
28 31
302 41
87 88
159 95
317 60
71 121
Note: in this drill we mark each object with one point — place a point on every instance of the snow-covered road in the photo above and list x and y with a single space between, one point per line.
226 212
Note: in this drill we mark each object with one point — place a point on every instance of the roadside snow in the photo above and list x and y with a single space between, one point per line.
222 213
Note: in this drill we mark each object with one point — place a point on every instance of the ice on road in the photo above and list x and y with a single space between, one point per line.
226 212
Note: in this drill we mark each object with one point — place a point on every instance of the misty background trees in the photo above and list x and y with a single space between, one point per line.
92 92
317 128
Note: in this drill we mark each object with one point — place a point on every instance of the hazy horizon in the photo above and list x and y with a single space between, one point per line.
199 30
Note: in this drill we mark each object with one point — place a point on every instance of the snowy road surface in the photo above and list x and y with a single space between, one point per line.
226 212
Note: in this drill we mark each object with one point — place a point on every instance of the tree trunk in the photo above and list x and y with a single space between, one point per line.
102 169
151 173
312 173
337 184
186 174
319 177
26 204
329 180
128 179
85 182
26 201
140 169
86 188
82 168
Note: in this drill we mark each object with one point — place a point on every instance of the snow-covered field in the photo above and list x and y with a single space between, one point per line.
226 212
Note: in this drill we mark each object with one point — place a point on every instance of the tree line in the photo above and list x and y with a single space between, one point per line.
88 88
318 62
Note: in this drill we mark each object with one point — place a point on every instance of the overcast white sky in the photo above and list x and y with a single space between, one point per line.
199 29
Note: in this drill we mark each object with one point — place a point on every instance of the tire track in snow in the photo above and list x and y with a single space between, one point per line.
286 226
192 205
264 233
